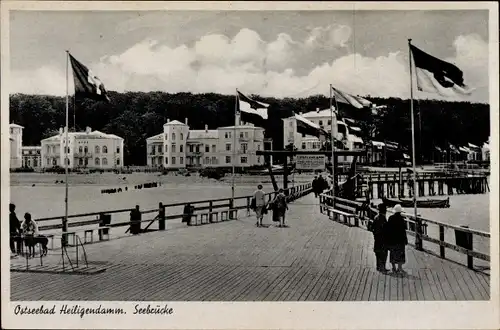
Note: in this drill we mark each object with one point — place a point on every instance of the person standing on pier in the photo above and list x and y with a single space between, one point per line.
14 230
315 188
378 228
260 204
279 207
396 239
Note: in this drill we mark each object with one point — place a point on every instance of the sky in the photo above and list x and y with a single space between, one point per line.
270 53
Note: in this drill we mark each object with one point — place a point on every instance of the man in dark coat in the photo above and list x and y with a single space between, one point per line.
378 228
396 239
14 230
315 186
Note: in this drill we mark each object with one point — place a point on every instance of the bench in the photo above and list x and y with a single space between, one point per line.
346 212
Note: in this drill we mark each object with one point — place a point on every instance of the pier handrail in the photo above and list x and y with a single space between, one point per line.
410 218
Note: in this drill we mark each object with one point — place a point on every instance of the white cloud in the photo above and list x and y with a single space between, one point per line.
217 63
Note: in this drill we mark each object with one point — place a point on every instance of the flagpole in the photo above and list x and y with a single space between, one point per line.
66 154
332 143
418 238
234 142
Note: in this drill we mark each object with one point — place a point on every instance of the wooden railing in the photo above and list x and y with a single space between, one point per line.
195 212
432 231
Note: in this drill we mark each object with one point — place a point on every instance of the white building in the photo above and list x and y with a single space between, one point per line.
89 149
16 143
322 118
179 147
32 157
485 150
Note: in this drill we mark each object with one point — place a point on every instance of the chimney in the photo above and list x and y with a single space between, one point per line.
206 128
186 121
88 130
168 120
317 109
61 130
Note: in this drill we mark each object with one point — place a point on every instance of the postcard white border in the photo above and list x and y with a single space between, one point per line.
285 315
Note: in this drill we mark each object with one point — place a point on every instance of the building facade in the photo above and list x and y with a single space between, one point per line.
180 147
323 118
89 149
16 143
32 157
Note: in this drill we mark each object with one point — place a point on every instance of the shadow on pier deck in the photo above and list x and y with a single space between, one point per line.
315 259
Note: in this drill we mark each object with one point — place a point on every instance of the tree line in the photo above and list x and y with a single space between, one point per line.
136 116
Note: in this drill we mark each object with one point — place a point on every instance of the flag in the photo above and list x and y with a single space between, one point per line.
252 111
355 101
437 76
87 85
307 127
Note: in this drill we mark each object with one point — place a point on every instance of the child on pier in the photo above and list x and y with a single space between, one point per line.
30 230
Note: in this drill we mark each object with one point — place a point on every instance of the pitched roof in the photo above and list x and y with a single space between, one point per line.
202 134
155 137
15 125
321 113
174 122
84 135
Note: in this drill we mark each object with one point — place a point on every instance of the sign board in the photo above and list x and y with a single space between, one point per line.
310 162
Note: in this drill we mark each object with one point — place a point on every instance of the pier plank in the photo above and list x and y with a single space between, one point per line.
315 259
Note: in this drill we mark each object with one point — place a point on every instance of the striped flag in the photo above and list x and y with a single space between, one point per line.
437 76
252 111
355 101
87 85
307 127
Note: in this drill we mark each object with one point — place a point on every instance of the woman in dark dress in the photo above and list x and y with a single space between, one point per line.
378 228
396 239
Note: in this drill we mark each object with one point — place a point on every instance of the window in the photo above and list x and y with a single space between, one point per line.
258 147
97 149
80 149
160 149
173 150
29 163
53 149
241 135
228 159
320 123
197 148
181 160
48 149
166 160
118 161
229 134
207 148
173 160
303 135
214 160
166 136
35 162
207 160
214 148
181 148
85 149
152 150
246 135
48 161
67 161
97 161
104 161
244 148
243 160
86 161
329 122
228 146
80 162
166 147
258 159
153 161
104 150
190 148
118 149
226 135
173 136
54 161
182 136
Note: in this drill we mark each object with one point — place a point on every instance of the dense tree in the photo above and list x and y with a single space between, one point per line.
137 115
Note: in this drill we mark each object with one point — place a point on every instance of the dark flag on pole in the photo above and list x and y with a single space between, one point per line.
252 111
307 127
437 76
87 85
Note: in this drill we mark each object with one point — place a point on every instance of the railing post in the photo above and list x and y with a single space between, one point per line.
441 238
210 209
161 216
64 238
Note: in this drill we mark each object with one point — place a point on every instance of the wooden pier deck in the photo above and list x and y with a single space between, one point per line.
315 259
